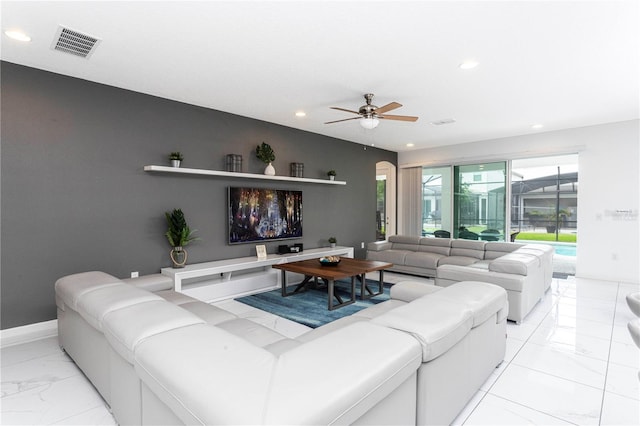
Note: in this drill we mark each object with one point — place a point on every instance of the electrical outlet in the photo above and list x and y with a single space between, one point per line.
362 244
135 274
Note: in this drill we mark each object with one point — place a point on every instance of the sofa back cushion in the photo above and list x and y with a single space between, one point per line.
401 242
435 245
495 249
468 248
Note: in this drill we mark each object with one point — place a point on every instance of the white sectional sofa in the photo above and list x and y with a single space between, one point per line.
524 270
160 357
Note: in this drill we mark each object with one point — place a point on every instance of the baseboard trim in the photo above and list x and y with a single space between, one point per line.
28 333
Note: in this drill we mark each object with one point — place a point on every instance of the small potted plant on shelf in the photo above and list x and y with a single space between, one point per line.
175 158
331 174
265 153
178 235
333 241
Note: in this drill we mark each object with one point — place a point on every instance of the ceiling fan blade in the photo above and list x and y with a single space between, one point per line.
387 107
345 110
398 117
346 119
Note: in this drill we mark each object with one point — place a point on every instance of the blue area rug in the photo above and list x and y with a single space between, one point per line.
310 308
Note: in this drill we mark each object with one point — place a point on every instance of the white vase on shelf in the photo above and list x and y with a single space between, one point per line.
269 170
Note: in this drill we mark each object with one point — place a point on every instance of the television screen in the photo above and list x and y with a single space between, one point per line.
257 214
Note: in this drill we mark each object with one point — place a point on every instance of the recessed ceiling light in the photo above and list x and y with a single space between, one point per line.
537 126
17 35
467 65
301 114
411 145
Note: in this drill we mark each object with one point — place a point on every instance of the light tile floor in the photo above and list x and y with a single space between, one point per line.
571 361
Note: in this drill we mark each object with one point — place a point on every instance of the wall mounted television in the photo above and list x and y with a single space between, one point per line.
258 214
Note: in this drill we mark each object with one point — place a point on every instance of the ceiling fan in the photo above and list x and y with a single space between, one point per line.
371 114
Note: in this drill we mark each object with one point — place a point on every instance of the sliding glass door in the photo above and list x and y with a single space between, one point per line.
436 201
479 201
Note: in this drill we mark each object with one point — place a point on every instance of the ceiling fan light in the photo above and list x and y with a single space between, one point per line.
369 123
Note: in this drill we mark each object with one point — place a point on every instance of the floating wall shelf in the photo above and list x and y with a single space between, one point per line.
186 171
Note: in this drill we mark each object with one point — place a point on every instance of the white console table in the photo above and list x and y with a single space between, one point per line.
231 278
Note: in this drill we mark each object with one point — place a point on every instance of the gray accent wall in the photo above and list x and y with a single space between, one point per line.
75 197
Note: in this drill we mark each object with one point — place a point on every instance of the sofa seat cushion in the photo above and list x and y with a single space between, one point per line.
211 314
125 328
481 264
206 375
483 299
175 297
70 288
392 256
94 305
406 291
515 263
252 332
330 328
437 324
458 260
423 259
510 282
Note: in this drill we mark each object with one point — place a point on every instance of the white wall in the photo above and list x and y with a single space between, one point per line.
609 158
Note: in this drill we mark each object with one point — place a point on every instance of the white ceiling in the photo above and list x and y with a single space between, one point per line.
563 64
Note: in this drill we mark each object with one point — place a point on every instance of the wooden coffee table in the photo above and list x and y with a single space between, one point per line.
347 268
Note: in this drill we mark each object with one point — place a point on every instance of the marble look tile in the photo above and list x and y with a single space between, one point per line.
627 354
618 410
50 403
571 324
584 309
588 289
26 351
567 340
494 410
560 398
623 316
520 331
621 334
93 416
623 381
37 372
564 364
468 409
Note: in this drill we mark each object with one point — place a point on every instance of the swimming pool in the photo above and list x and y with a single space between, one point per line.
563 249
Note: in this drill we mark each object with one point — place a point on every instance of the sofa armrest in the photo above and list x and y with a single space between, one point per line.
379 246
206 375
338 377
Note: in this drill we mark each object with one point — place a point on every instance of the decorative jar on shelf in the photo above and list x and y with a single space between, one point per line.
178 257
269 170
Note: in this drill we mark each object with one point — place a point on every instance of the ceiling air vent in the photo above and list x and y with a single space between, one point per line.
444 121
74 42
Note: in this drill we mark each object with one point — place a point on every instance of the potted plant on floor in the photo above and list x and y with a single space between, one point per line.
178 235
265 153
176 158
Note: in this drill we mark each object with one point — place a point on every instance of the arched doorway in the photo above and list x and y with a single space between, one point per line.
386 200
